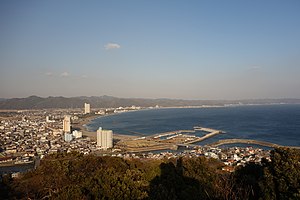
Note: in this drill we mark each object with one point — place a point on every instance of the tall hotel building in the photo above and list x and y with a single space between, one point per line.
104 138
67 124
87 108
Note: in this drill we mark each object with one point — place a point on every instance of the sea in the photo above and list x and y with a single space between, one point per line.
279 124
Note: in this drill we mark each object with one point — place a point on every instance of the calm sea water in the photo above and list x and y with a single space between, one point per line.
278 124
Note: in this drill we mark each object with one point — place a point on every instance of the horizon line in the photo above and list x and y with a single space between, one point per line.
158 98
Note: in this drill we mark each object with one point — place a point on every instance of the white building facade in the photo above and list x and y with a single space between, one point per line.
77 134
87 108
68 137
104 138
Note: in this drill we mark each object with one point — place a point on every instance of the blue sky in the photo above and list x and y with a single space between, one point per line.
152 49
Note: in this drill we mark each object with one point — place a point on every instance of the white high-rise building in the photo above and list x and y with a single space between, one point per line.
104 138
68 137
67 124
87 108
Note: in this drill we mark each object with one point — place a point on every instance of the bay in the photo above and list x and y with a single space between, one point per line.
278 124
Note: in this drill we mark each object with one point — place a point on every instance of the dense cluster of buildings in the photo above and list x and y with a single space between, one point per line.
26 135
231 157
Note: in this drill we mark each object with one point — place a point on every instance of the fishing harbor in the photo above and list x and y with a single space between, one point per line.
167 140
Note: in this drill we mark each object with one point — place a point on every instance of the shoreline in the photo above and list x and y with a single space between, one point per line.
82 126
130 135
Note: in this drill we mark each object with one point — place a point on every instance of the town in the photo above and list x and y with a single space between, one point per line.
26 136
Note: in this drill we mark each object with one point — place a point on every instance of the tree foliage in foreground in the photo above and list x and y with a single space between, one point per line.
74 176
278 179
281 177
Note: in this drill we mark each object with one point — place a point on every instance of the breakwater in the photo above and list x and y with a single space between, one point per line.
211 133
248 141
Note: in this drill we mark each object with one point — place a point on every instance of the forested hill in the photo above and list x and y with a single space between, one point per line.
75 176
35 102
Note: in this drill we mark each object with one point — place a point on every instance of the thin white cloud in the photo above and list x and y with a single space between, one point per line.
254 68
110 46
48 73
84 76
64 74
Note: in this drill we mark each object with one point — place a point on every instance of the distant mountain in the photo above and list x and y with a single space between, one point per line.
35 102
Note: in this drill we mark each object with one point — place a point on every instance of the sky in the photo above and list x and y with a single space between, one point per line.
150 49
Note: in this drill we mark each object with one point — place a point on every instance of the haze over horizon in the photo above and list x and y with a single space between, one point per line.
150 49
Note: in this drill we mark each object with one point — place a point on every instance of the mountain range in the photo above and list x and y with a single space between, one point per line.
35 102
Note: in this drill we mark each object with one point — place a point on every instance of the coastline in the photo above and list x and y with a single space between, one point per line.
82 126
235 133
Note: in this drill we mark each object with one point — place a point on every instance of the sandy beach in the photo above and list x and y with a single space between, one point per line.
80 126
